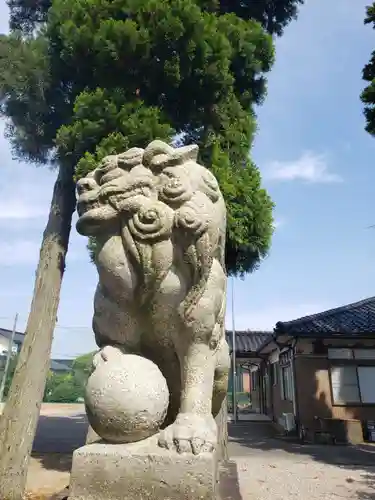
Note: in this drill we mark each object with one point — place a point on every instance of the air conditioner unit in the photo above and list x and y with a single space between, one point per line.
287 422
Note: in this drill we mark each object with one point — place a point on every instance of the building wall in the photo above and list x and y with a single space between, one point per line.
312 388
280 405
314 397
266 394
4 344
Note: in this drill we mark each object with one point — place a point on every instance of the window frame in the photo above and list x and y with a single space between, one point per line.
354 353
349 363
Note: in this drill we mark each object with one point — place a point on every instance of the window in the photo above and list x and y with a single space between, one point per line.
286 383
353 384
366 380
340 353
364 353
345 384
348 353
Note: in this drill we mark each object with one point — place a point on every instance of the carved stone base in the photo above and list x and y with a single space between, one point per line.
140 471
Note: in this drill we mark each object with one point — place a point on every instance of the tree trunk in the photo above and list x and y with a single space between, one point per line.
21 412
222 425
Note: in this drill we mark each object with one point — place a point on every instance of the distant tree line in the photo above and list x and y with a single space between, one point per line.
68 387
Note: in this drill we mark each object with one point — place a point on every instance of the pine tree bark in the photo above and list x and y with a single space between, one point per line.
20 417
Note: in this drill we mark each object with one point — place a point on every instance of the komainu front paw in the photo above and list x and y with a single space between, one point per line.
190 433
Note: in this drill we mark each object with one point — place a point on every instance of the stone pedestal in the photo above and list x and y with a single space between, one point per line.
141 471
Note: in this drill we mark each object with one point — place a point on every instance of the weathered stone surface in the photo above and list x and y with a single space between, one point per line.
92 436
159 221
126 397
141 471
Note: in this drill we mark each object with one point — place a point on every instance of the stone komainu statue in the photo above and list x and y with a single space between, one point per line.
159 221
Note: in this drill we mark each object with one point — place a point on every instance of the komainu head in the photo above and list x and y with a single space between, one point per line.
159 192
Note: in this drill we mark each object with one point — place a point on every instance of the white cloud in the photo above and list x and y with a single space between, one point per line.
310 167
26 251
267 318
25 194
25 191
22 180
20 210
19 252
279 222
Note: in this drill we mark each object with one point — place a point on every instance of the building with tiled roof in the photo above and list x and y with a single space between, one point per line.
353 319
247 342
319 370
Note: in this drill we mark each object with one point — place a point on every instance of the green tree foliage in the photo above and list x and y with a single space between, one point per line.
368 94
63 388
273 15
82 367
82 78
138 64
60 387
69 387
102 76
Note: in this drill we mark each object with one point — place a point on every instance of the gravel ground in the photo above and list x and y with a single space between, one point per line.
267 468
44 482
270 476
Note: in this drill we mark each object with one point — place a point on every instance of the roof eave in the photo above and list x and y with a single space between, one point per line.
325 334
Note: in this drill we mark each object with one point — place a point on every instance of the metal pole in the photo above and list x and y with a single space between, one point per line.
9 355
234 372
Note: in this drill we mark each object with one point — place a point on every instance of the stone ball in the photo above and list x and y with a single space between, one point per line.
126 397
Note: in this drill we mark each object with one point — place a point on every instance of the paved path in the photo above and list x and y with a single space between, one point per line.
57 433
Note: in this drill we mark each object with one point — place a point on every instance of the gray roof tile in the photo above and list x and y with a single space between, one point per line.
353 319
247 342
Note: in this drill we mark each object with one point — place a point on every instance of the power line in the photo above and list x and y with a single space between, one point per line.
57 326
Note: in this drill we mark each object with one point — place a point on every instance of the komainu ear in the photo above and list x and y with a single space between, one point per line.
187 153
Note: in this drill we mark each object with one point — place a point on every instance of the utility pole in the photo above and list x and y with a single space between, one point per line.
234 362
9 355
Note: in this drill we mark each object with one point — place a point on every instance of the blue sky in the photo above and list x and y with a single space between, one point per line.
316 161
